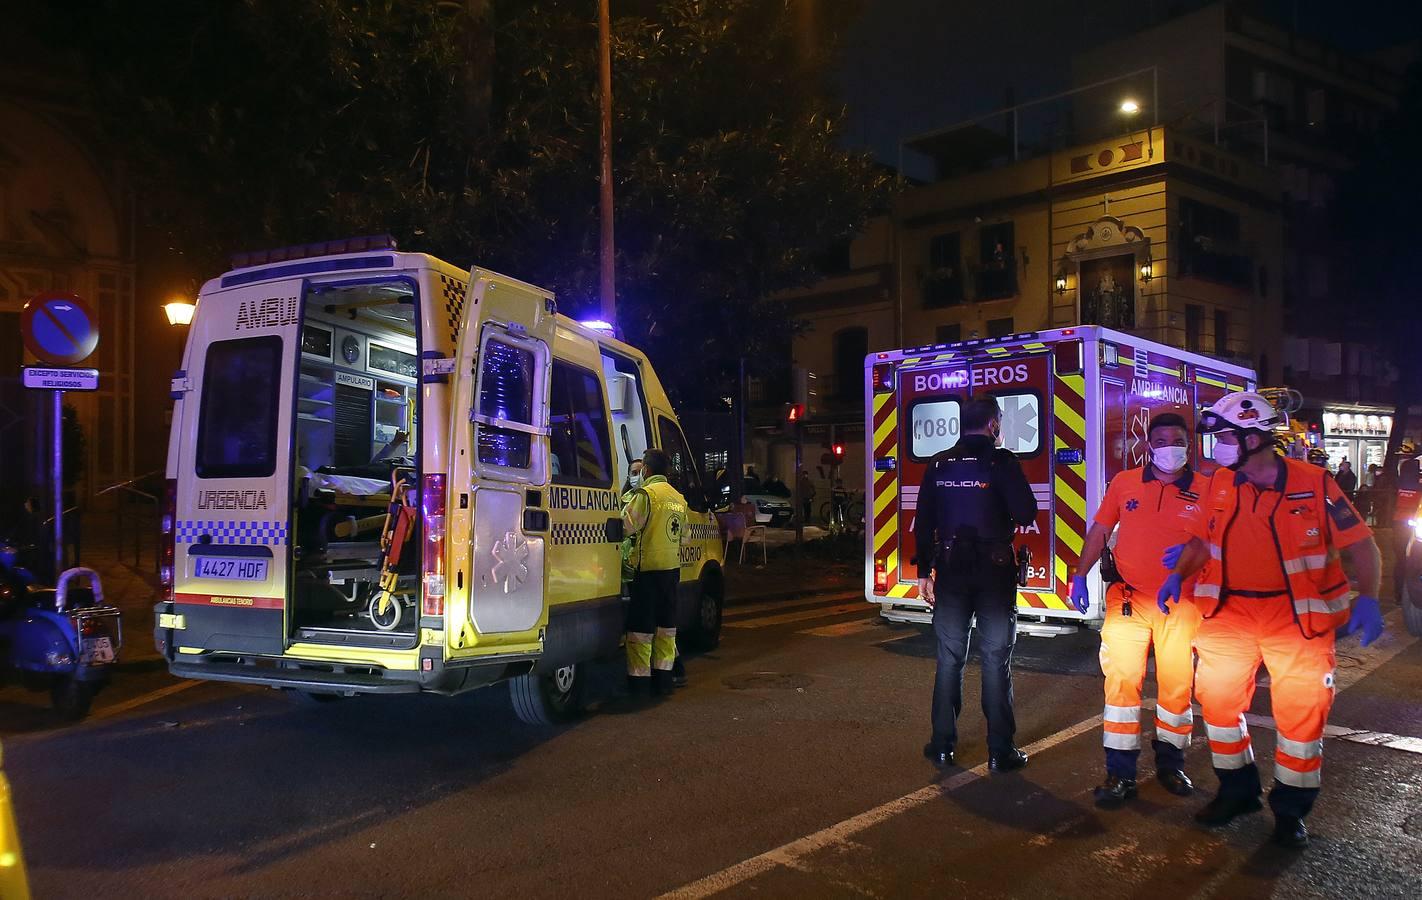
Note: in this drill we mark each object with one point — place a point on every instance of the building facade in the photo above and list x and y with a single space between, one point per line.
1151 231
65 225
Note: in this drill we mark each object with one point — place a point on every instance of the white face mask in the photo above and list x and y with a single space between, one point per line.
1226 454
1169 459
635 479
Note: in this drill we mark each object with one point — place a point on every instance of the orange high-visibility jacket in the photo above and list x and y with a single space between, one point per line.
1317 584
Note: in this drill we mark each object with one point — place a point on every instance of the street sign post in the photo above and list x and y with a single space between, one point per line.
59 329
65 379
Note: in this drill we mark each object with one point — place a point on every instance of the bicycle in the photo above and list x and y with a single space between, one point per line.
844 511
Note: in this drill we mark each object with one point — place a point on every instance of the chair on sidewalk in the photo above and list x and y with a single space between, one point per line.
739 524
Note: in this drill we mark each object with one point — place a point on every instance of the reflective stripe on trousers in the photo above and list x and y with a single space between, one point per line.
1299 763
664 649
639 654
1121 727
1229 745
1174 728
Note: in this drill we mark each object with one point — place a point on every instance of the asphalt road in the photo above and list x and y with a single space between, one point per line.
789 768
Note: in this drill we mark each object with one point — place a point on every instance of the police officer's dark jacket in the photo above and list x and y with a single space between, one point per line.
975 487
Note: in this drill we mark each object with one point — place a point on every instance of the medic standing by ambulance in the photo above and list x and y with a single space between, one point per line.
1404 510
1149 509
1267 544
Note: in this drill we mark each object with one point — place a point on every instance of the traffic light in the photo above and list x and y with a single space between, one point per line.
794 413
838 451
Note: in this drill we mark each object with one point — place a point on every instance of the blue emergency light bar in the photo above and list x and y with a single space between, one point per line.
363 244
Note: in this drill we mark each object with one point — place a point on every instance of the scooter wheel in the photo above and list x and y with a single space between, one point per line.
71 698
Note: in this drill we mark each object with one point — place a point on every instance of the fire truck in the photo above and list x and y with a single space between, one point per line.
1076 406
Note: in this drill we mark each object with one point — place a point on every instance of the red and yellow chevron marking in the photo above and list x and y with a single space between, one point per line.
1069 486
885 442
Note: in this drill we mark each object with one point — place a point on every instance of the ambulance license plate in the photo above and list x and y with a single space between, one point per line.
96 651
230 569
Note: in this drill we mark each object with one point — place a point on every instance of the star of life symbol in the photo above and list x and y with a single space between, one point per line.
1019 423
510 555
1138 438
1132 504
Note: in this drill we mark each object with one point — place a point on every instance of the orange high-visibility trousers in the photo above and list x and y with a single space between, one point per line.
1126 642
1231 645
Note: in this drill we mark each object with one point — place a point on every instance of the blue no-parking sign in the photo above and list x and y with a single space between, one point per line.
59 328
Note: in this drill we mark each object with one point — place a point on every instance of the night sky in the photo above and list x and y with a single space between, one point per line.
915 65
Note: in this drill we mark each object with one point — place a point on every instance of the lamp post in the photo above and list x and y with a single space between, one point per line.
607 309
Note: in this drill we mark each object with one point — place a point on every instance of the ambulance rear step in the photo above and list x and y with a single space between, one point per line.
1036 627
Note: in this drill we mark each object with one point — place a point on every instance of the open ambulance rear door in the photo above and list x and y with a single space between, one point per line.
233 495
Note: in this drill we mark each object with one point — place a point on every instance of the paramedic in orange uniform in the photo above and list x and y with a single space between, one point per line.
1267 544
1149 509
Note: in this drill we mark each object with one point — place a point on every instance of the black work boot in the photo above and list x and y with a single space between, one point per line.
1007 761
1290 831
1175 781
939 755
1115 791
1224 808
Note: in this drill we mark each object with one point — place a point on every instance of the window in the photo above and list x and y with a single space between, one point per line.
997 277
936 424
851 345
943 282
1221 332
237 427
505 399
683 472
948 334
1209 244
1317 108
999 327
1194 318
580 451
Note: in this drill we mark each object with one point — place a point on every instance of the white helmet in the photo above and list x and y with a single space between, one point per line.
1242 411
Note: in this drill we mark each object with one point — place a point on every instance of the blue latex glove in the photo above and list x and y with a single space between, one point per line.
1367 618
1171 556
1080 598
1168 592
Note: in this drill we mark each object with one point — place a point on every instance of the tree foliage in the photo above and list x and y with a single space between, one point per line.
470 130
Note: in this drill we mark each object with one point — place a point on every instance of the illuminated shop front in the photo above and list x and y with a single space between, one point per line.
1357 434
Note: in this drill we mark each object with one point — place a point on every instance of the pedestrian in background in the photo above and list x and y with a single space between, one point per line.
806 488
1346 478
972 497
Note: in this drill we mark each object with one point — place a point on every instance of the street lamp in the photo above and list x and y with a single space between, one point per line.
1130 107
179 312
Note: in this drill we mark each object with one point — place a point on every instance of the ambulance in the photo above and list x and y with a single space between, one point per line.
387 474
1076 407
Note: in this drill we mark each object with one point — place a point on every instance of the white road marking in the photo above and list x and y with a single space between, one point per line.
1356 735
820 613
792 854
734 612
844 629
144 699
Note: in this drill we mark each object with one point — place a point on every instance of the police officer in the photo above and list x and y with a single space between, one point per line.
1267 540
971 497
655 517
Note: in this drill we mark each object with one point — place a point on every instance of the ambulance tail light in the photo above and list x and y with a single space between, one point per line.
881 576
432 566
1068 357
167 539
883 378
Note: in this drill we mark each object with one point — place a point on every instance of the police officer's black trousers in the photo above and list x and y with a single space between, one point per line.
991 595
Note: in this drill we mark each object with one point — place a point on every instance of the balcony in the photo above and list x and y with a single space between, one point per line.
996 280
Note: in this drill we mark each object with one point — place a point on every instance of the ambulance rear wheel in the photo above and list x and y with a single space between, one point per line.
548 699
705 632
1412 612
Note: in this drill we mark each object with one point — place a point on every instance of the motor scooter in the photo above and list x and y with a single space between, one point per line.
60 638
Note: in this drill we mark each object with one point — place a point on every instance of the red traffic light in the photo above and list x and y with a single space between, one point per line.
794 412
838 451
